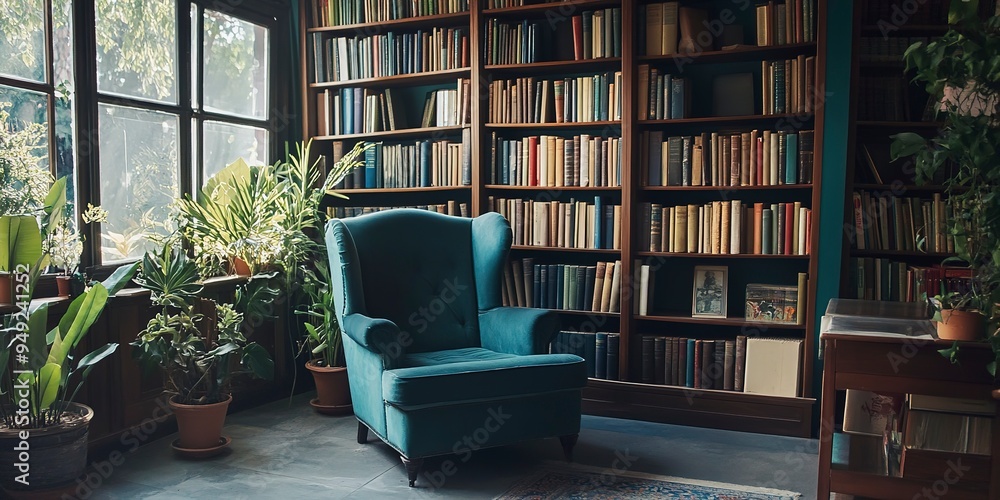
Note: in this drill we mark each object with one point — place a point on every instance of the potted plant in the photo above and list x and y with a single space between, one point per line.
324 344
199 347
40 376
958 70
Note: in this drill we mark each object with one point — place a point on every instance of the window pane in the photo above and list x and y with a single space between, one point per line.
139 178
194 57
62 77
224 143
137 48
22 39
235 66
24 176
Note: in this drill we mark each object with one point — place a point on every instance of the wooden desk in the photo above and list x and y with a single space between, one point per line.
900 365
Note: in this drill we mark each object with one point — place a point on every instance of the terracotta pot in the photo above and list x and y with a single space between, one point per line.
57 454
200 426
63 284
332 388
240 267
6 288
961 325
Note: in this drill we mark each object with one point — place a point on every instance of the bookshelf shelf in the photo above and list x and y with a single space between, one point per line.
904 30
898 124
583 65
437 20
727 119
900 253
422 78
730 321
900 187
599 251
541 8
727 188
721 255
551 189
564 125
741 53
365 191
394 134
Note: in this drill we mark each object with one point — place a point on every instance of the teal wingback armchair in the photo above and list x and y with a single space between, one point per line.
436 365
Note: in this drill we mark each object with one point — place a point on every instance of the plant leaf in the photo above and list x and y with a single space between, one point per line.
49 378
258 361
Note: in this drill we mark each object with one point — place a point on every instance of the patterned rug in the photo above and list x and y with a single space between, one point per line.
570 481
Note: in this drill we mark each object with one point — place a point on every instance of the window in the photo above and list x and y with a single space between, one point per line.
36 80
162 133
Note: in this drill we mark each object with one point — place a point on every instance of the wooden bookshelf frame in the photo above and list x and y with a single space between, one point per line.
626 398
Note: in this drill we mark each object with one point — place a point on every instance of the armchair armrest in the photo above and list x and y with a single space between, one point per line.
517 330
376 335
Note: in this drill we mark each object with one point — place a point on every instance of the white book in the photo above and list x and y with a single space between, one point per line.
584 160
668 41
773 176
735 224
773 366
801 250
644 290
616 288
540 226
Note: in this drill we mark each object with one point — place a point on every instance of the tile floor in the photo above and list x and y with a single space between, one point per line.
284 450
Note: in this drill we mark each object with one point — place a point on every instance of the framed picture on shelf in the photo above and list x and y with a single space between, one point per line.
710 287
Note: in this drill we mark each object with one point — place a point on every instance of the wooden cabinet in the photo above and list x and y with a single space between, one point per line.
902 366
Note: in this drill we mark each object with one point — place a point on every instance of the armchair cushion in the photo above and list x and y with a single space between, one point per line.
376 335
473 374
518 330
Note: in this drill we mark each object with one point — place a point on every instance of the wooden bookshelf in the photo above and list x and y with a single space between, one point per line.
626 397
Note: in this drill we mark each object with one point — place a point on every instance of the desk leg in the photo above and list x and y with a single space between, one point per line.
826 422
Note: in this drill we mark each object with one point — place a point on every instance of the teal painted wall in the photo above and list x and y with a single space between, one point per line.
835 127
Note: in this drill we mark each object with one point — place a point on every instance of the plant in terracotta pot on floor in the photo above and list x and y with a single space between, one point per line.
199 347
960 75
323 344
41 374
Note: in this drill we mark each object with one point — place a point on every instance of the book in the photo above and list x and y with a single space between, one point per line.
773 366
613 346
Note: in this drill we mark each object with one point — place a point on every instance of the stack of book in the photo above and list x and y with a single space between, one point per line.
450 208
569 100
788 86
595 35
423 163
873 278
886 222
340 59
574 224
344 12
598 349
555 161
364 111
790 21
563 286
726 227
751 158
694 363
662 96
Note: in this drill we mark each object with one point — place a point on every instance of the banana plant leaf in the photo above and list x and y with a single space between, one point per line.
20 241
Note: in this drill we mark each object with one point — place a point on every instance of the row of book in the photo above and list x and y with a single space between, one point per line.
874 278
363 111
888 15
598 349
754 158
886 222
889 97
569 100
595 34
788 86
886 49
424 163
573 224
563 286
746 364
782 23
452 207
340 59
555 161
662 96
727 227
344 12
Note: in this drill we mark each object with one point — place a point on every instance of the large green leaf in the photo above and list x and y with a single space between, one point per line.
36 338
48 383
79 317
258 361
120 278
55 205
20 242
88 361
